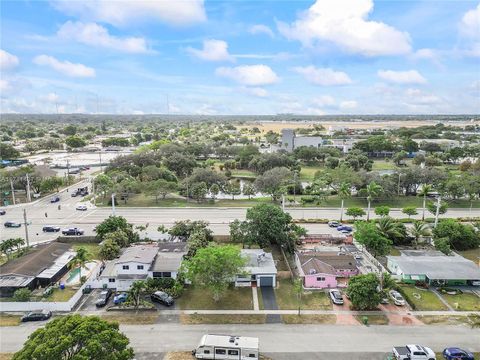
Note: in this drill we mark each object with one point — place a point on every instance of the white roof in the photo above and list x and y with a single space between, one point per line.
244 342
59 263
259 262
143 254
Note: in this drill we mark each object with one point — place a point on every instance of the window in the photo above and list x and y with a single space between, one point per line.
111 280
232 352
206 351
220 351
252 355
320 278
125 267
139 267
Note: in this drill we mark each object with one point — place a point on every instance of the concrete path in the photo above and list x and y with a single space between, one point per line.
255 298
444 302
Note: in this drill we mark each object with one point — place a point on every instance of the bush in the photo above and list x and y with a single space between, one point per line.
22 295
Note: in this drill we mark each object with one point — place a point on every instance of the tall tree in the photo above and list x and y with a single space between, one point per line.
367 234
80 260
372 191
418 230
363 291
424 191
344 191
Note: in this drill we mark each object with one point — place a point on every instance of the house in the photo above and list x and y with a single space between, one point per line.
260 269
168 260
321 270
43 266
433 268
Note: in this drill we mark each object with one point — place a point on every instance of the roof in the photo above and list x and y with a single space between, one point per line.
41 257
172 246
259 262
230 341
325 262
58 264
143 254
454 267
167 261
12 280
109 270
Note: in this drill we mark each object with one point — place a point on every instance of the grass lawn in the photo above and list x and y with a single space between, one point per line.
463 302
196 298
308 172
394 251
383 165
427 300
311 300
309 319
133 318
443 320
278 257
60 295
92 249
373 319
473 255
222 319
9 320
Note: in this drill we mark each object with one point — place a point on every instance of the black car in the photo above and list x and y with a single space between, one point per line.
50 228
37 316
72 231
103 298
162 298
2 212
12 224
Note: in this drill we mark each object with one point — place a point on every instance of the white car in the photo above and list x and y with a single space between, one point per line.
397 298
336 296
81 207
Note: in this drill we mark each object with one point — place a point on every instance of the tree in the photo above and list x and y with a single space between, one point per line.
119 237
73 337
344 191
8 152
332 162
432 207
198 191
298 291
460 236
182 165
135 293
274 182
161 188
215 267
382 211
184 229
75 141
372 191
355 212
80 260
111 224
418 230
199 239
109 250
443 245
424 191
22 295
410 211
391 229
249 190
51 183
103 184
367 234
363 291
214 191
232 188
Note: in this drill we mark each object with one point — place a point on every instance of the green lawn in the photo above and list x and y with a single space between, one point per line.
196 298
383 165
427 300
92 249
311 300
473 255
222 319
309 319
61 295
308 172
463 302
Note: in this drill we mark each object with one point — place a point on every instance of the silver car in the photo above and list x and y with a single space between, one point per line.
397 298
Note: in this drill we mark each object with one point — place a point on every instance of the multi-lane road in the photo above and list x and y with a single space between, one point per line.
42 212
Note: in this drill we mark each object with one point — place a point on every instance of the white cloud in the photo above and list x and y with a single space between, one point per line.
8 61
65 67
250 75
402 77
418 97
124 12
345 23
261 29
470 29
50 97
96 35
323 76
213 50
428 54
348 104
256 91
324 100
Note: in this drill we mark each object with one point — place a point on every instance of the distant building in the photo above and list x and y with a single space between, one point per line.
290 141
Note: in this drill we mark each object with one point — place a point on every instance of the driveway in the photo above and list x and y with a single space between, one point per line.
270 303
87 302
345 319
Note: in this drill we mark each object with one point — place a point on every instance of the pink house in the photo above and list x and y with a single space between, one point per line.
321 270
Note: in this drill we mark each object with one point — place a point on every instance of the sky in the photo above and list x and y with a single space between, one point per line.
240 57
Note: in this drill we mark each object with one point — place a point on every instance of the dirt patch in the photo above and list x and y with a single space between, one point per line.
309 319
443 320
132 318
222 319
6 356
373 319
9 320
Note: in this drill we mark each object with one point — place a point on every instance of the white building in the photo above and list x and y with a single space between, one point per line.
290 141
260 269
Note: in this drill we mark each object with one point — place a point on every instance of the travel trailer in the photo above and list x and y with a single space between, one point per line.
227 347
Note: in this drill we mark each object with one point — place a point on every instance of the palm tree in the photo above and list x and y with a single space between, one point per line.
389 228
372 190
426 188
136 291
80 260
418 230
344 191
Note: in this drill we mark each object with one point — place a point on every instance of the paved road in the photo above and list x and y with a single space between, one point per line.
279 338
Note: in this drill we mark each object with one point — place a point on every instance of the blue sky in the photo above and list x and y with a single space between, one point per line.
240 57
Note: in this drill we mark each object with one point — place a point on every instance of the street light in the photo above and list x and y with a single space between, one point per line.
113 204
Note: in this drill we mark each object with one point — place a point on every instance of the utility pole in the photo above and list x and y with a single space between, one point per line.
68 172
26 226
113 204
100 156
437 212
29 197
92 181
13 191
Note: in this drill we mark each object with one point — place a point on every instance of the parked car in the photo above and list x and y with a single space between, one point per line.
396 297
50 228
336 296
120 298
334 224
102 299
73 231
74 193
55 199
162 298
345 231
454 353
74 171
344 227
81 207
413 352
2 212
37 316
12 224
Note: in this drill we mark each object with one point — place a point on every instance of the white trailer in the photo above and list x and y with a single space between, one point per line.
227 347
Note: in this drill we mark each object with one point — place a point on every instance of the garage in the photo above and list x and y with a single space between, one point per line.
265 281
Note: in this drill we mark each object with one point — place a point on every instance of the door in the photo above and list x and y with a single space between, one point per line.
266 281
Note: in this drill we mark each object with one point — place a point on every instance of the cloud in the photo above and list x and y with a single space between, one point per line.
324 100
250 75
213 50
8 61
348 104
261 29
418 97
65 67
255 91
470 29
50 97
402 77
96 35
323 76
345 23
125 12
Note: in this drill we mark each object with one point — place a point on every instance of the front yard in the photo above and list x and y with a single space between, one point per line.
463 302
309 319
311 300
222 319
197 298
59 295
421 299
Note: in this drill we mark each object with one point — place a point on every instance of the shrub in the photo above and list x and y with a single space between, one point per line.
22 295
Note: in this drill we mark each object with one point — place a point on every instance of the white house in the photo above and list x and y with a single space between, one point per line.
260 269
168 260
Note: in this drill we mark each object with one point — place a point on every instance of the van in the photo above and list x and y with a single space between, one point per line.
227 347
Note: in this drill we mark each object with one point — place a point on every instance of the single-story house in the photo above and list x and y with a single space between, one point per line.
43 266
168 260
433 268
320 270
260 269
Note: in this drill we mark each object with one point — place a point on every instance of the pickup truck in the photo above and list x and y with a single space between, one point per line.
413 352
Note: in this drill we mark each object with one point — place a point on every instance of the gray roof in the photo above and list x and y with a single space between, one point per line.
13 280
453 267
143 254
109 270
167 261
259 262
172 246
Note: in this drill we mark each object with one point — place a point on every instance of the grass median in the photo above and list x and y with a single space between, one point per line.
192 319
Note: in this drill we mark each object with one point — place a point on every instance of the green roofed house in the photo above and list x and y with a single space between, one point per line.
433 268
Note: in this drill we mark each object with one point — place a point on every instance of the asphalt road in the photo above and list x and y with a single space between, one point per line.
281 339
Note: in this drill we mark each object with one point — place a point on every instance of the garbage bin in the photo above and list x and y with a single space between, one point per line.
62 286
